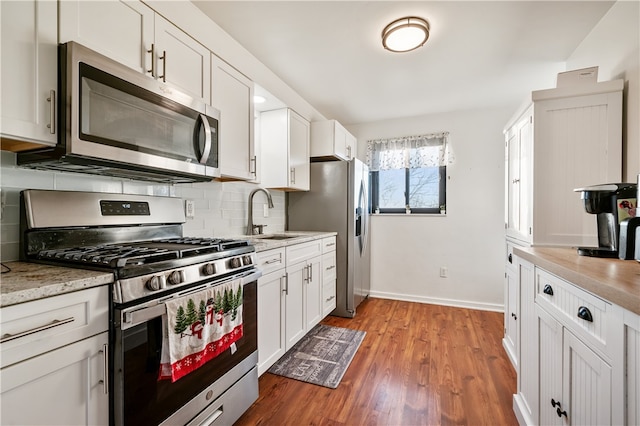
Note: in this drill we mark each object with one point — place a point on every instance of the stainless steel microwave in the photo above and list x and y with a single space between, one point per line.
118 122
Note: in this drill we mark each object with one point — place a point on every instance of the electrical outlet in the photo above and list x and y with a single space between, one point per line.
444 272
190 209
265 212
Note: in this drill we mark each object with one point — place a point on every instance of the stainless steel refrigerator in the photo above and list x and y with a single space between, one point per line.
339 201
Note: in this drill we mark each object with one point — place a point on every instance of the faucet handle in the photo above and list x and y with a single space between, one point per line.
260 228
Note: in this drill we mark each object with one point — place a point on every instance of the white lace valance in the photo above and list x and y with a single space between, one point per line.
430 150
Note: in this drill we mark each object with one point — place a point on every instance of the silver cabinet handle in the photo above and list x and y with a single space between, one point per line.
349 152
329 299
268 262
253 161
52 111
331 244
329 267
286 284
55 323
207 138
164 66
293 175
311 272
153 60
105 368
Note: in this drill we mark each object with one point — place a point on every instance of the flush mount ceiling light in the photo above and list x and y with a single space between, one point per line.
257 99
405 34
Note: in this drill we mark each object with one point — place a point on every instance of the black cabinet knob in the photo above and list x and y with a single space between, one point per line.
548 290
510 258
585 314
514 316
560 412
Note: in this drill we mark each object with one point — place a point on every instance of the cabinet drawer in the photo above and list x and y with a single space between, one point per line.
583 313
328 267
299 252
328 297
33 328
328 244
271 260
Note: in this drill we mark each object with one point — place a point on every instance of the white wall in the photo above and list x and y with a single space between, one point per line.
614 46
408 251
221 207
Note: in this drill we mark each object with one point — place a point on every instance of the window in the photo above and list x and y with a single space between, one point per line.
408 173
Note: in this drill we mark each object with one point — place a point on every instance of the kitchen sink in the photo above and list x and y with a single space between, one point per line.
274 237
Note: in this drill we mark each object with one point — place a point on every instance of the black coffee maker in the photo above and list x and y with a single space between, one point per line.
611 203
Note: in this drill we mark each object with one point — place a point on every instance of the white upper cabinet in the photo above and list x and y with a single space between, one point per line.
330 140
133 34
29 71
181 61
285 150
120 30
569 138
232 94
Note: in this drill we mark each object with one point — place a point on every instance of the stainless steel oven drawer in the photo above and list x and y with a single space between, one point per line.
232 404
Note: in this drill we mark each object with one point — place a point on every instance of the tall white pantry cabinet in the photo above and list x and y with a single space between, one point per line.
562 139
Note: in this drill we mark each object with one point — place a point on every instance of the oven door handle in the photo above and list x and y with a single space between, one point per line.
131 318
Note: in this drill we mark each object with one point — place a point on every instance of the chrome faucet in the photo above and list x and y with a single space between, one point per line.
250 226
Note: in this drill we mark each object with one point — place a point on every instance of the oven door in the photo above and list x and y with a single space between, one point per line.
141 399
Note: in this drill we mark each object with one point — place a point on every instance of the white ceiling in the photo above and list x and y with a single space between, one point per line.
480 54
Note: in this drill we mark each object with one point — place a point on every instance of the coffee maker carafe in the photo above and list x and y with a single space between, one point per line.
611 203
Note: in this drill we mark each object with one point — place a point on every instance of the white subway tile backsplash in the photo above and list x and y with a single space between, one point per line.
220 207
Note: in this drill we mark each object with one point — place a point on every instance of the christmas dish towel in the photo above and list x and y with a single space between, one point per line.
198 327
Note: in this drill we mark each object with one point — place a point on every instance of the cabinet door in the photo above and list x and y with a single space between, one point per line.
66 386
586 384
511 313
550 364
295 302
519 175
271 319
232 94
29 70
120 30
181 60
299 168
313 290
351 146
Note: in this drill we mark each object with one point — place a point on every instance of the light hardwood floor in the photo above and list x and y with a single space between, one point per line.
418 364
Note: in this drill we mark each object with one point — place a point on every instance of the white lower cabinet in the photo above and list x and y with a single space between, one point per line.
577 359
291 295
55 360
67 386
271 319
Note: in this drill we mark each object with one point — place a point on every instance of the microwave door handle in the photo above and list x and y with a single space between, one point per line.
207 139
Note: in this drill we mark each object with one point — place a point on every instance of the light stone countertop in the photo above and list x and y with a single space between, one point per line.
32 281
614 280
262 244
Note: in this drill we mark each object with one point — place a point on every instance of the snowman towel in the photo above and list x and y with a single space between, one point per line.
198 327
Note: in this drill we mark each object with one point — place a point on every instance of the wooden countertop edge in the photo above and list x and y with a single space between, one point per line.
594 275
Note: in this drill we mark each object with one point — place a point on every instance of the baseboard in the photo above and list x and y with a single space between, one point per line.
437 301
510 355
520 410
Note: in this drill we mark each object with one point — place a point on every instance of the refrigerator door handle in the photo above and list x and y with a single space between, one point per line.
362 206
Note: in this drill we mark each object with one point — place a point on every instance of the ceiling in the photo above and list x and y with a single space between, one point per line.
480 54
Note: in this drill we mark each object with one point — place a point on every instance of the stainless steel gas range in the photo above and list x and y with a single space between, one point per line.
139 239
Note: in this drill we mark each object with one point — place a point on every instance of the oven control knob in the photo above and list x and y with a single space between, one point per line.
235 263
246 260
175 278
154 283
209 269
